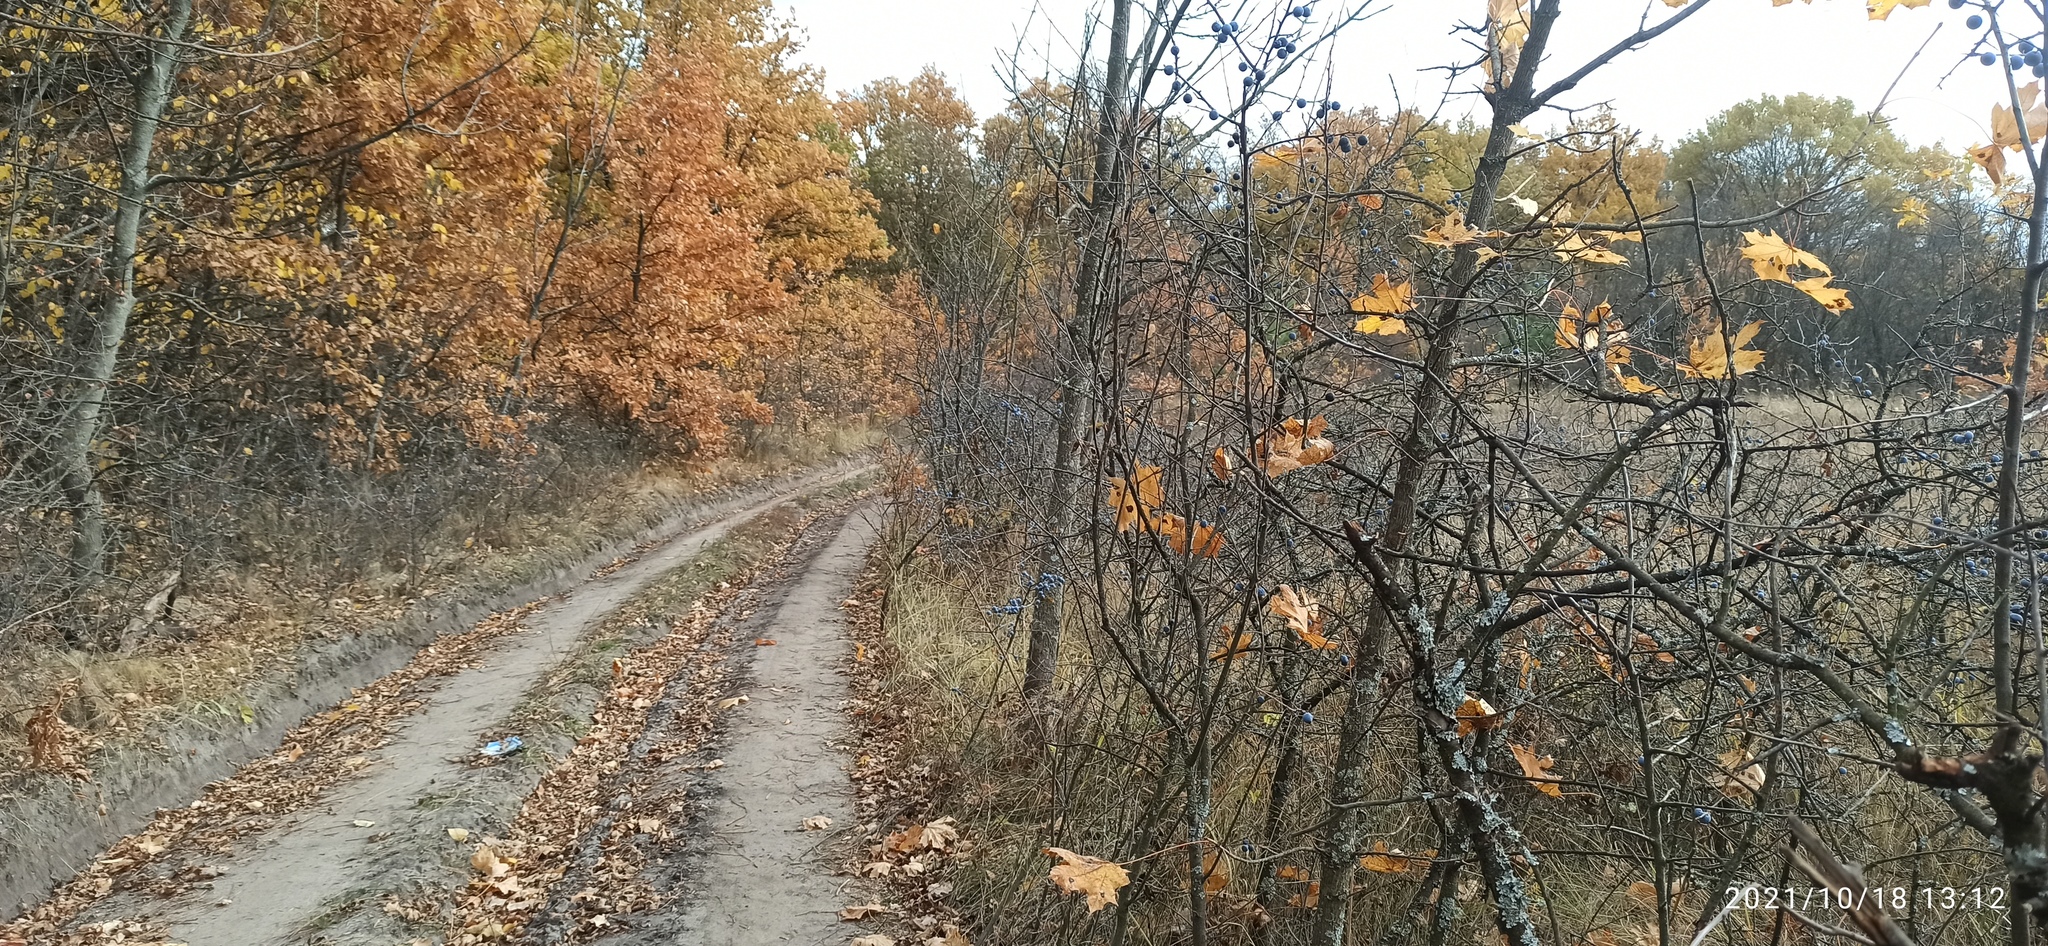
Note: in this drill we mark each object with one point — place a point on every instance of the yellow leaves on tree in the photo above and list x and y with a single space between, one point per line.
1382 305
1880 9
1575 247
1452 232
1774 259
1508 25
1097 879
1536 770
1600 335
1711 356
1293 445
1135 500
1303 616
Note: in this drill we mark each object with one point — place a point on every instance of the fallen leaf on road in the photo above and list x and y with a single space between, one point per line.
817 823
862 911
730 702
487 863
360 823
763 642
458 834
876 939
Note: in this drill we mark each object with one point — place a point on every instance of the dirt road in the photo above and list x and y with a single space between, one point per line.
342 868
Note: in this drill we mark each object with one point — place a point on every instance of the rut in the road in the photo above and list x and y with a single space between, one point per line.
754 876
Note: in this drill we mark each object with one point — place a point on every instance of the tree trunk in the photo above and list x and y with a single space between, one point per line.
97 340
1073 367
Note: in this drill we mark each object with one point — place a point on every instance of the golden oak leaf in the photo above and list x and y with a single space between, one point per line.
1710 359
1880 9
1536 770
1385 298
1830 298
1097 879
1773 258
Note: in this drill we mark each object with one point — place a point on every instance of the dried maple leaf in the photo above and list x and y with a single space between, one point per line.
1234 643
1710 356
1293 445
861 912
1991 158
1220 465
2005 123
1453 232
1303 616
1094 877
1576 247
1831 299
487 862
1134 506
1380 859
1773 258
1742 775
1536 770
1476 714
1386 298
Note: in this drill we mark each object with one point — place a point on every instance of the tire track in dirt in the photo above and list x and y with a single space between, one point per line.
285 883
753 875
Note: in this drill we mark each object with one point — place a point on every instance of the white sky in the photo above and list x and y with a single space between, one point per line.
1731 51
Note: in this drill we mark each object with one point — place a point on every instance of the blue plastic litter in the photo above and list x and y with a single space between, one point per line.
498 747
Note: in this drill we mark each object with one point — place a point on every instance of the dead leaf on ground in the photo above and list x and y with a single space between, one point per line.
1094 877
862 912
817 823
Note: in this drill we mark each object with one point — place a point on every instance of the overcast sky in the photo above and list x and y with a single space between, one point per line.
1731 51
